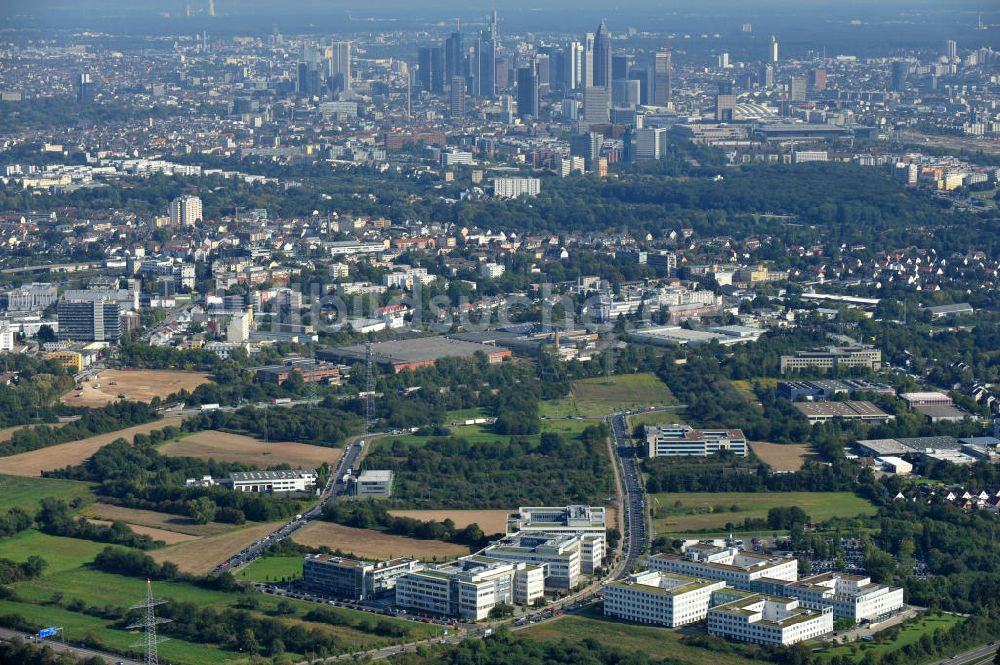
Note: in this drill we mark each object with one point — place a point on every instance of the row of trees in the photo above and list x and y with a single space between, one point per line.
373 514
114 416
55 518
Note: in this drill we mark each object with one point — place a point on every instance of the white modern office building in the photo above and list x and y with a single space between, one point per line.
296 480
662 599
559 519
853 597
559 553
470 587
350 578
374 482
735 567
684 441
759 619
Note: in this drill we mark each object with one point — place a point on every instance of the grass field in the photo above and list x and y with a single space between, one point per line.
227 447
597 397
138 385
747 386
201 555
908 635
33 462
490 521
697 511
273 569
465 414
370 544
155 520
782 457
26 493
670 417
657 643
60 553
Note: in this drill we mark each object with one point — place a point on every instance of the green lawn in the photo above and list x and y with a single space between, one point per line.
699 511
465 414
27 493
69 579
273 569
674 415
746 387
908 635
657 643
598 397
485 433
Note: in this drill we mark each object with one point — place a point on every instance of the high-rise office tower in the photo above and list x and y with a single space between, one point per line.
84 89
596 105
586 145
310 79
602 57
766 76
951 50
487 50
542 69
339 62
587 71
527 92
641 74
725 106
650 143
797 88
900 68
620 65
772 55
457 106
89 321
817 80
211 7
454 56
663 77
573 63
723 61
625 93
431 62
185 211
501 73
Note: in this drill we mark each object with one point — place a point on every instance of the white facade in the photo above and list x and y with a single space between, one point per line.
238 330
560 554
650 143
662 599
6 337
374 483
559 519
492 270
683 441
852 597
185 210
768 620
735 567
511 188
300 480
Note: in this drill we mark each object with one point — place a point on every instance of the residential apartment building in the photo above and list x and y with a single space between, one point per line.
511 188
833 356
662 599
853 597
683 441
470 587
735 567
350 578
758 619
185 211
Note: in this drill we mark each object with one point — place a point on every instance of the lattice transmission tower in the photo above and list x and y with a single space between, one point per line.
369 388
148 624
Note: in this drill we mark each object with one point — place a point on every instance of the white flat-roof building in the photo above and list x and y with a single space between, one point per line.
853 597
758 619
470 587
374 482
662 599
350 578
684 441
735 567
559 519
559 553
296 480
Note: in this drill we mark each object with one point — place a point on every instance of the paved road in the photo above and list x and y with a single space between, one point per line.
334 487
62 647
974 656
637 535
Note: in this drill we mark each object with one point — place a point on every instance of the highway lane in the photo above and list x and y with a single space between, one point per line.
62 647
973 656
637 536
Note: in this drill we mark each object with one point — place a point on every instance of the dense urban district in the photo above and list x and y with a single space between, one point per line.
467 342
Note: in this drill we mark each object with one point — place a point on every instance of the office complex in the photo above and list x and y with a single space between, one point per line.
834 356
470 587
735 567
185 211
661 599
457 106
853 597
89 321
663 77
602 57
374 483
350 578
527 92
296 480
684 441
560 554
774 620
559 519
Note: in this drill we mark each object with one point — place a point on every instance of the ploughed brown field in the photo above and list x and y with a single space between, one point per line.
227 447
490 521
369 544
782 456
202 555
169 537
